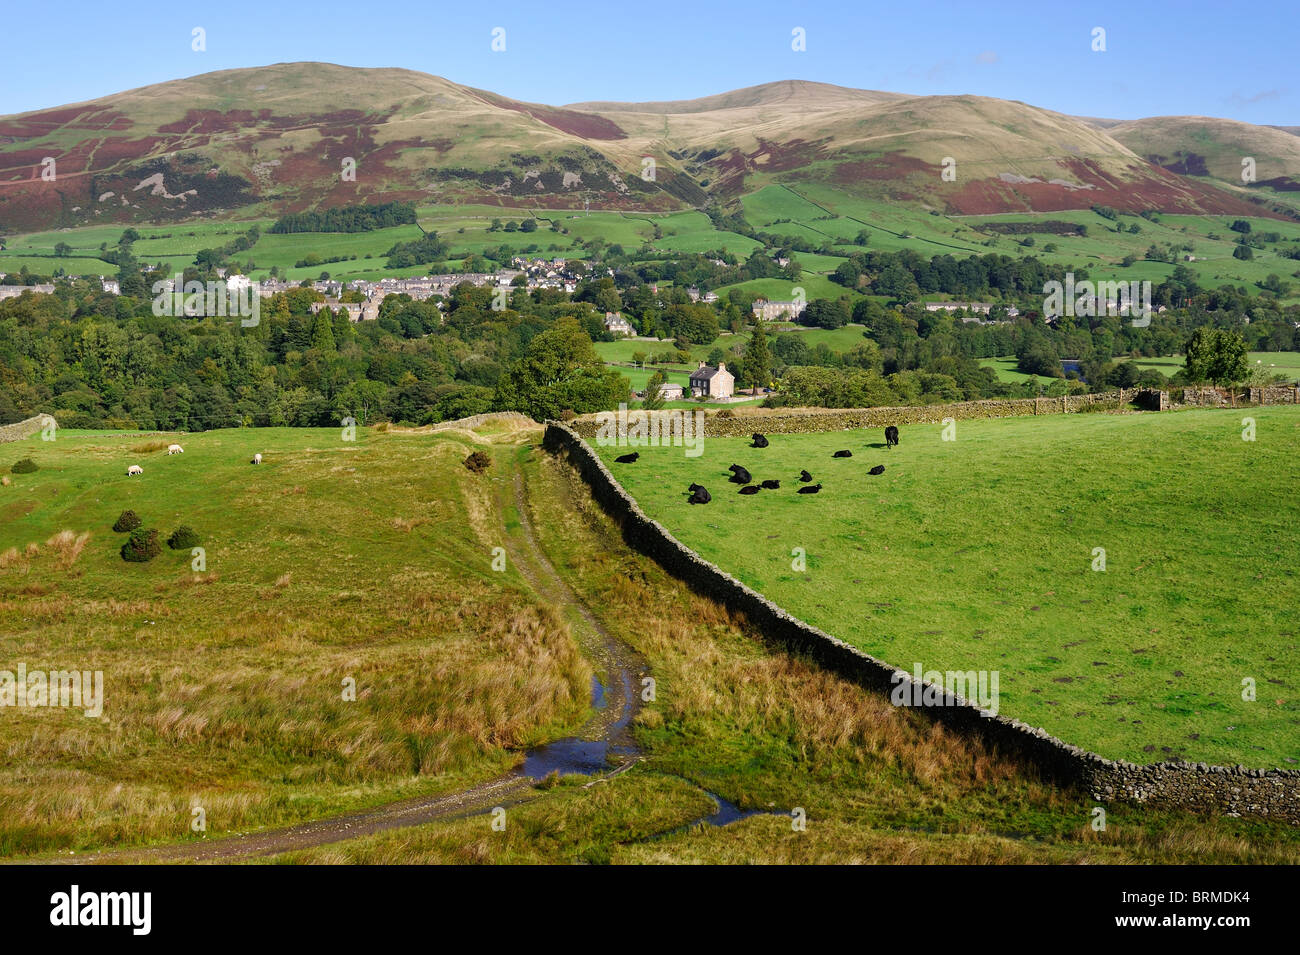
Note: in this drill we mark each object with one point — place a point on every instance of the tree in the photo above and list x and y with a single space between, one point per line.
560 370
1243 252
758 359
654 398
1216 355
62 249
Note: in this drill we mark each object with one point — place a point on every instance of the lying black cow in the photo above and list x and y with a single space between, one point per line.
891 436
842 454
810 489
805 477
628 458
771 485
759 441
878 469
739 475
699 495
749 489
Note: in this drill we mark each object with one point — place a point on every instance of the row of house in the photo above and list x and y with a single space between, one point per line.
973 309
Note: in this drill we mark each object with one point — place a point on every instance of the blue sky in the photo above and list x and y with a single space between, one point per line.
1161 58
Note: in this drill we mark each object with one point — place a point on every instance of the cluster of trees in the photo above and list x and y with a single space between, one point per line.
97 360
347 219
428 248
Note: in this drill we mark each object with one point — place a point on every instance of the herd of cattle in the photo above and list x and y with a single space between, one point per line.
698 494
135 469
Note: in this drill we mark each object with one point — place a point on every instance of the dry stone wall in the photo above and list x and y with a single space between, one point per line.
1191 786
21 430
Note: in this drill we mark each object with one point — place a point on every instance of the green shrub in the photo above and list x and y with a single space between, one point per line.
478 462
183 538
127 521
25 466
141 546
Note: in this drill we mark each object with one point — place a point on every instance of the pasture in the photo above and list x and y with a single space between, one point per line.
979 553
223 684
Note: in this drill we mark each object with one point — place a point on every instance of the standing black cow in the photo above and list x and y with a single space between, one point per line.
891 436
759 441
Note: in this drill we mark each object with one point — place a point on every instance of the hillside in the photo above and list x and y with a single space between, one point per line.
1214 148
267 140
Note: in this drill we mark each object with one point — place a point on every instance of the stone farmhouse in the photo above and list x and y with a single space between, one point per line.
712 382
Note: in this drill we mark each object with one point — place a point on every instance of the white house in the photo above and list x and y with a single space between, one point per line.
616 324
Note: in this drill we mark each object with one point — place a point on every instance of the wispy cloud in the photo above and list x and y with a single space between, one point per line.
1237 99
988 57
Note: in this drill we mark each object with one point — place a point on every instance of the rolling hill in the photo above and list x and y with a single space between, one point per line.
272 139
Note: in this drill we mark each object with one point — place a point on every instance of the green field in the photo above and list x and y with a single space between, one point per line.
812 212
977 554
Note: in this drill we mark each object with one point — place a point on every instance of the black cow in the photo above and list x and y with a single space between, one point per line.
771 485
749 489
699 495
810 489
891 436
739 475
878 469
628 458
759 441
805 477
842 454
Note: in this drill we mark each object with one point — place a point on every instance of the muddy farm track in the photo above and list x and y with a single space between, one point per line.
602 748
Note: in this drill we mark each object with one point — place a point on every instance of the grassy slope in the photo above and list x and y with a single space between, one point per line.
976 554
223 689
769 732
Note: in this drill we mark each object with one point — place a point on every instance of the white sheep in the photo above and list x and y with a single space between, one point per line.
175 449
134 469
257 458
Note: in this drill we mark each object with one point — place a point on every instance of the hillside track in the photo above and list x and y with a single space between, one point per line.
619 670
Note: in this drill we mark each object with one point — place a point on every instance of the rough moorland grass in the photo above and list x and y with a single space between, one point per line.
224 688
879 784
978 554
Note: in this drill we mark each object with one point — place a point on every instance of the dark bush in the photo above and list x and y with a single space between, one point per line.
478 462
142 545
25 466
183 538
126 521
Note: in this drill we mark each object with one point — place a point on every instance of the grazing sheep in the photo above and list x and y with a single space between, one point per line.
749 489
628 458
878 469
805 477
891 436
771 485
134 469
257 458
175 449
842 454
759 441
739 475
810 489
699 495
